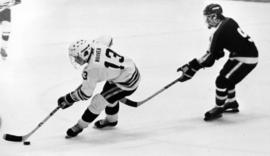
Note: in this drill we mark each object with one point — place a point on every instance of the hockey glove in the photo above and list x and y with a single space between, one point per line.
189 70
17 2
219 55
66 101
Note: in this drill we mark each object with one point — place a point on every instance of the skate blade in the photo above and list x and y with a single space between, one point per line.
231 111
104 128
68 137
212 118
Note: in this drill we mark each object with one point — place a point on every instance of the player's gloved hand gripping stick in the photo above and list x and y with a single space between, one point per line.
138 103
15 138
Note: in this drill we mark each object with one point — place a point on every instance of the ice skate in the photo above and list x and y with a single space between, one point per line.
3 53
231 107
214 113
74 131
105 123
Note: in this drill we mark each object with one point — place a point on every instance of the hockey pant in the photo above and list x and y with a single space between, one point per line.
230 75
108 99
5 15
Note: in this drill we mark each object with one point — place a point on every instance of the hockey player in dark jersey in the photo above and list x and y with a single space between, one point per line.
243 58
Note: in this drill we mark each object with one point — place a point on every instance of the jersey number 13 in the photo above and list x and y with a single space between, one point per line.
114 60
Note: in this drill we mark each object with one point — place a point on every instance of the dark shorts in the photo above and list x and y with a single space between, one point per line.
236 71
5 15
112 93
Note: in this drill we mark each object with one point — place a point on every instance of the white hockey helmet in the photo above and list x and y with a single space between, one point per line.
79 52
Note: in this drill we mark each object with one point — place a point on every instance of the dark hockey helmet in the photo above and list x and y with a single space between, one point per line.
212 9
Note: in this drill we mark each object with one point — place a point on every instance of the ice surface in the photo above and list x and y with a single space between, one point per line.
160 36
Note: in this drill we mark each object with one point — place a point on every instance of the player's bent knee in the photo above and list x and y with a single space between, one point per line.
222 82
98 104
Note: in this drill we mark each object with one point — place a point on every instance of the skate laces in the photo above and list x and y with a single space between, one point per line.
76 128
103 122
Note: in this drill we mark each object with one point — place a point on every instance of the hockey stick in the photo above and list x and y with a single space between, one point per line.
137 104
15 138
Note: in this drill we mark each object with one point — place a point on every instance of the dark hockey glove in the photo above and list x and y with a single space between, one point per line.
189 70
66 101
219 55
17 2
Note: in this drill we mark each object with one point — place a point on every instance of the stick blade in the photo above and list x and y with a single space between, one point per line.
14 138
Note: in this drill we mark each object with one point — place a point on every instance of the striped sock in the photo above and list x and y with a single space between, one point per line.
221 96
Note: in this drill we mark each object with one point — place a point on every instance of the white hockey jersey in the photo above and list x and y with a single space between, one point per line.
107 65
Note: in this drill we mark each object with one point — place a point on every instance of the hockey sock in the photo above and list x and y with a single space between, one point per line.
88 116
231 94
111 111
5 33
221 96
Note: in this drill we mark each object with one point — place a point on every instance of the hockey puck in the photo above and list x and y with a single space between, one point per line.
26 143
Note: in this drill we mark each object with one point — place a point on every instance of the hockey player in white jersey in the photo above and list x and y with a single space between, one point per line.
102 64
5 19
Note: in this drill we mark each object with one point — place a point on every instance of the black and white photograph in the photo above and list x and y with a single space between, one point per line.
134 77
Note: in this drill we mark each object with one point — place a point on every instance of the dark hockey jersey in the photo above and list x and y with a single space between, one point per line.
229 36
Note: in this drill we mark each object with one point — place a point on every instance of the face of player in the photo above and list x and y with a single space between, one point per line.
211 20
79 60
76 61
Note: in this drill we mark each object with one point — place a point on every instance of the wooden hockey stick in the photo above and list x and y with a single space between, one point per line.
138 103
15 138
